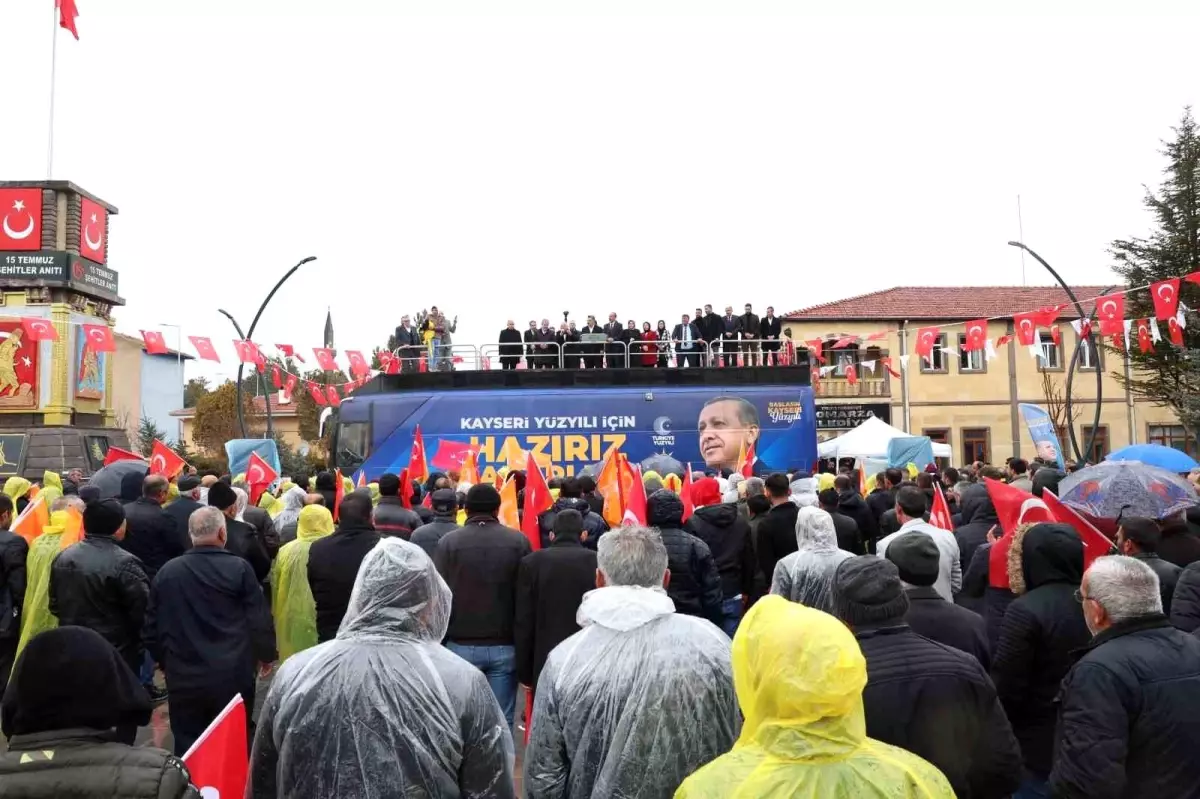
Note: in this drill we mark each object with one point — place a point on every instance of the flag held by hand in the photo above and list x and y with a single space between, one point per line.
218 763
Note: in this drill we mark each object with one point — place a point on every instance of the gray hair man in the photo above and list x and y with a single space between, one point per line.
616 703
1130 707
206 528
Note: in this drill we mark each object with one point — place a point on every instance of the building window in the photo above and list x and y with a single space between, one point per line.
1050 355
936 362
976 442
1100 448
1171 435
844 358
970 361
1089 356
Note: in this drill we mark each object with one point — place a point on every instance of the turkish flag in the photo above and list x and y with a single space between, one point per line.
405 489
1005 339
204 348
39 329
814 347
388 363
418 466
1145 342
67 12
93 230
115 454
1111 311
635 508
451 454
290 386
218 762
276 380
746 467
99 338
976 335
155 343
247 351
335 399
537 501
325 359
887 364
939 514
358 364
1165 294
685 493
1026 329
339 492
316 393
259 475
1044 317
852 375
20 219
164 461
1175 331
289 352
1056 335
882 334
1095 543
926 339
1014 506
844 341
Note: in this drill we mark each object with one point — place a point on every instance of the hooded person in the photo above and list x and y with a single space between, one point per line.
978 518
618 704
445 513
800 676
326 486
69 691
287 522
806 575
570 497
432 726
804 492
695 586
17 489
1041 629
721 526
131 486
36 617
292 602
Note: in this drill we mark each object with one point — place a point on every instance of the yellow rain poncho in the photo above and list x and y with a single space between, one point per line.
799 676
284 486
172 494
52 480
50 494
270 504
348 485
292 602
16 487
825 480
374 489
35 614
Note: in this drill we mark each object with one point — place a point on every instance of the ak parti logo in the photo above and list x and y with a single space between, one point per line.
20 219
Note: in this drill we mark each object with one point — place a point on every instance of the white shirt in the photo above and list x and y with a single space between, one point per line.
687 334
949 581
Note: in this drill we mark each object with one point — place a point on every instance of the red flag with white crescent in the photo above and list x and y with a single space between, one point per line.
39 329
99 338
939 514
1111 311
331 393
1165 294
218 763
20 219
288 351
418 465
276 379
1026 329
926 339
852 375
1145 342
115 454
316 393
358 364
259 475
976 335
814 345
290 386
93 229
164 460
204 348
247 351
325 359
1174 331
155 343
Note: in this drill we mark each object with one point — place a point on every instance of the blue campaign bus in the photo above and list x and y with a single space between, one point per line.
570 418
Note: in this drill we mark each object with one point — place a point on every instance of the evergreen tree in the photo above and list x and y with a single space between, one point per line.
147 434
1168 376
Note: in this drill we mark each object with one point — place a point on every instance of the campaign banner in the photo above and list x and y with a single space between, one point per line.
1041 430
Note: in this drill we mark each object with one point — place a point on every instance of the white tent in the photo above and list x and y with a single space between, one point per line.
870 440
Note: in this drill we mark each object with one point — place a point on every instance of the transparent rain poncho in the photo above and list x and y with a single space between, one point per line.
806 575
800 676
632 703
384 710
292 602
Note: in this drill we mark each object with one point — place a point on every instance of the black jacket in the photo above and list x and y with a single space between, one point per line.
938 620
407 337
550 585
530 338
243 540
770 327
208 623
711 326
509 338
98 585
979 596
333 563
938 702
1041 628
880 501
695 585
13 553
593 522
848 536
591 349
728 537
391 518
697 338
427 536
479 562
1129 716
264 527
1180 544
181 511
776 536
978 516
86 764
749 325
1185 605
1168 577
851 504
731 328
152 535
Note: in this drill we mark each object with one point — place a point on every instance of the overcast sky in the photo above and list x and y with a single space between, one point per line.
640 157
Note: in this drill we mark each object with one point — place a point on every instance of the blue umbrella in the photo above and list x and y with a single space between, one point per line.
1113 489
1169 458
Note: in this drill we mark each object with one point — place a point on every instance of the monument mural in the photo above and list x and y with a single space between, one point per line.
18 367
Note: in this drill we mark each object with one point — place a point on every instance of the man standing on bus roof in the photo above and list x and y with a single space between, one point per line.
728 426
615 349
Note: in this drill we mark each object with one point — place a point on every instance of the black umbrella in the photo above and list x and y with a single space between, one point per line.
663 464
108 479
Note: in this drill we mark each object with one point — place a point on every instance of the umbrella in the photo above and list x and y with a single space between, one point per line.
108 479
663 464
1112 489
1169 458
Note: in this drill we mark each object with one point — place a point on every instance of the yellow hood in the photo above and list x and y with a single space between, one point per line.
16 487
315 521
52 480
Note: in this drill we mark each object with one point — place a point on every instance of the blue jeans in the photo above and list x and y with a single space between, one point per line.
731 609
146 672
499 664
435 354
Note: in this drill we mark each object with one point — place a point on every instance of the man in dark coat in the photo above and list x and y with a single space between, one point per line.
480 563
688 341
851 504
240 538
550 585
593 354
570 497
1129 713
848 536
1041 628
568 344
978 518
263 524
918 560
695 585
711 328
923 696
333 562
391 518
615 350
1139 538
546 346
208 625
530 338
719 525
188 503
408 345
770 329
150 533
777 528
510 346
731 332
750 333
883 499
1180 544
13 553
1185 605
445 509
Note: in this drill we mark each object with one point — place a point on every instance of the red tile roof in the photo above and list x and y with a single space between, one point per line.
947 302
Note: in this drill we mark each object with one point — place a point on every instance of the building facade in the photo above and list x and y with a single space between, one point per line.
968 399
147 386
283 416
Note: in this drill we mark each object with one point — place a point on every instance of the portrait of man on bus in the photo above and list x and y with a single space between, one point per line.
728 426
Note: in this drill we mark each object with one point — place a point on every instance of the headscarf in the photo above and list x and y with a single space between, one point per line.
16 487
806 575
292 602
243 499
70 677
293 502
35 611
50 478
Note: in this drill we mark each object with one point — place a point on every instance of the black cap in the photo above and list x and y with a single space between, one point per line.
444 500
103 518
917 558
221 495
189 482
868 590
568 523
483 498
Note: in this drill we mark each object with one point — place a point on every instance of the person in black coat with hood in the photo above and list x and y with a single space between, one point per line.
777 527
550 585
326 487
1185 604
881 500
852 505
695 585
1041 628
978 519
14 551
727 535
1180 544
333 562
570 497
1138 538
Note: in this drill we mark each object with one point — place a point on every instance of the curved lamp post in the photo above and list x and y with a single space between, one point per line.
1091 340
247 336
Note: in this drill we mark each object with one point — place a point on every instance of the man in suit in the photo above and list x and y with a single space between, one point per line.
615 349
704 339
530 339
731 331
710 328
593 354
181 509
750 332
408 345
568 344
770 329
547 346
686 337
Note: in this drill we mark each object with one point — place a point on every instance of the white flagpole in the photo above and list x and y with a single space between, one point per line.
53 76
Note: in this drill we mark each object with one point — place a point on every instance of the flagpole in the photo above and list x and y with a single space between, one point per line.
53 81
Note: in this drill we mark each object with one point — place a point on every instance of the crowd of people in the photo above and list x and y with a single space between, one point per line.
771 636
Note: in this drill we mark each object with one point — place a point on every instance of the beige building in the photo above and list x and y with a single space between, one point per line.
146 385
965 399
283 415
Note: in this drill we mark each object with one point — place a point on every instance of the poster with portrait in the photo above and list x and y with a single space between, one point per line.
18 368
90 370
